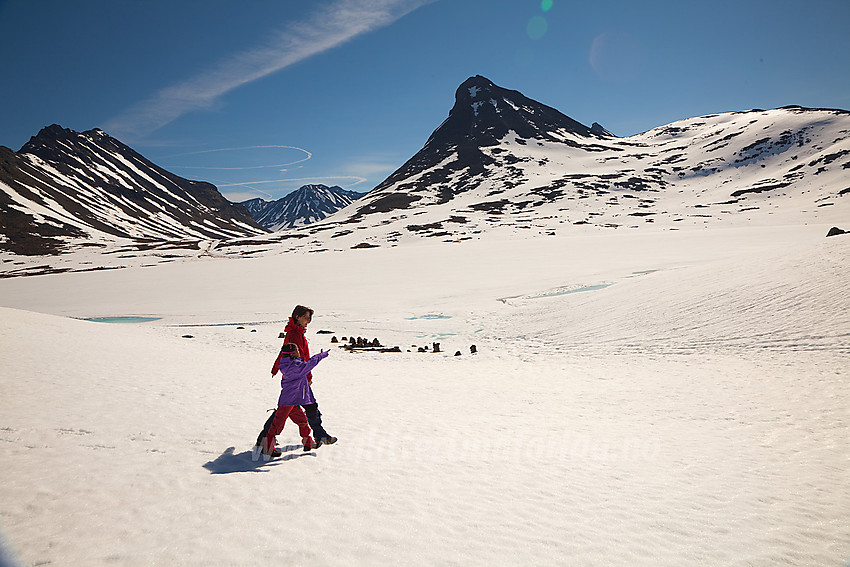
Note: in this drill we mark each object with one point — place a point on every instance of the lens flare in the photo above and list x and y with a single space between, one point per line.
537 27
546 5
616 57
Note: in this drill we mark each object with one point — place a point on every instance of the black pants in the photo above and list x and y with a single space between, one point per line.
314 418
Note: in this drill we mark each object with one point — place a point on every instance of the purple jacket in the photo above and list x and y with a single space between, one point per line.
294 388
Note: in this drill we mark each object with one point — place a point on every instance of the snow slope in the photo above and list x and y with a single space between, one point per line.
658 398
780 166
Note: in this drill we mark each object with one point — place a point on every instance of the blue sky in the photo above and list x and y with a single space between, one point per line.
261 97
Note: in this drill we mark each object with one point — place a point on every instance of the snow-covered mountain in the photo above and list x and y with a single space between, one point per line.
308 204
503 161
500 165
65 189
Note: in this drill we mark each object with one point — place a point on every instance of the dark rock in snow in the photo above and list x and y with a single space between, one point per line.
597 129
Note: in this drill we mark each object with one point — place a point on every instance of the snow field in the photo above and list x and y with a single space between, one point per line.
692 412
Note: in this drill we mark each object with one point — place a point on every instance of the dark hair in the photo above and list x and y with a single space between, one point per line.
300 311
290 350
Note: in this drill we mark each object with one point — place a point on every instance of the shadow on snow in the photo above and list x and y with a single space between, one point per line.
231 462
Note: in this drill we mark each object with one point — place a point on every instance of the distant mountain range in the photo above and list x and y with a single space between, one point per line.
500 164
309 204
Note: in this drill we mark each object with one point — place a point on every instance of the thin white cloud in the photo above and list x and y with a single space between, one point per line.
376 165
338 22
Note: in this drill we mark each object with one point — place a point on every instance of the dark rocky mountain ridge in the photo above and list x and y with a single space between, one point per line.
65 188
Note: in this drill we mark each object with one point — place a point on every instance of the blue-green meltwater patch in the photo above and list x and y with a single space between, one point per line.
122 319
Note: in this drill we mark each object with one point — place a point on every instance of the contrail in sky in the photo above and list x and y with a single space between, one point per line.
329 27
308 155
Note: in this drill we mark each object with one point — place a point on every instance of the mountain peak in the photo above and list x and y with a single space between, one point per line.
484 113
46 136
51 141
475 85
305 205
483 116
54 131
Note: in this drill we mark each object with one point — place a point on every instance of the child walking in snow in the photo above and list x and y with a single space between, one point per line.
294 392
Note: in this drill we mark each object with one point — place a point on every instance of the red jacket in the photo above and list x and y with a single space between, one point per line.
294 334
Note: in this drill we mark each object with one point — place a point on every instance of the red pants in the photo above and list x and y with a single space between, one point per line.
296 414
